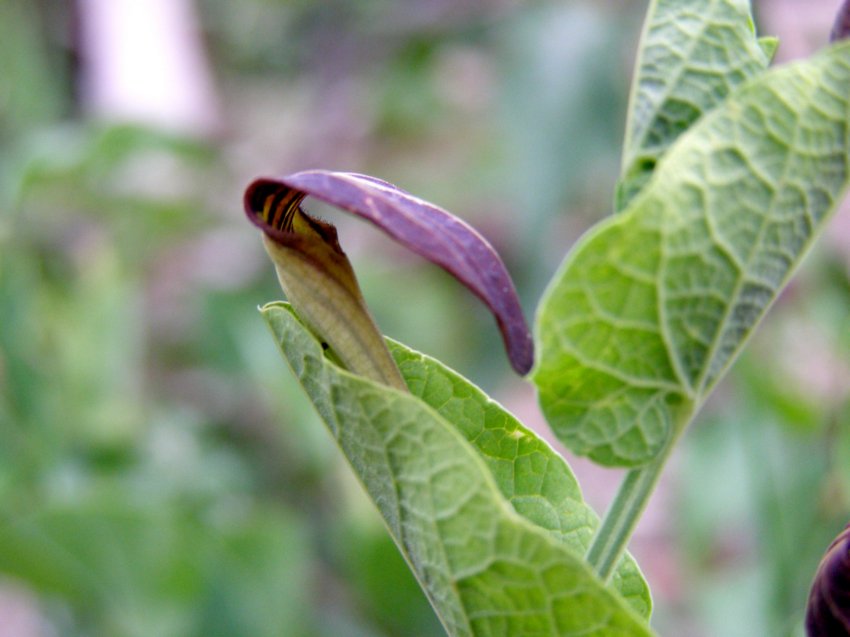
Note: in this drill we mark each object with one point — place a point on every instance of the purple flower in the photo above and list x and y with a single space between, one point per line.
319 282
828 610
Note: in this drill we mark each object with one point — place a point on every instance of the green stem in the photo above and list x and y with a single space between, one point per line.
611 539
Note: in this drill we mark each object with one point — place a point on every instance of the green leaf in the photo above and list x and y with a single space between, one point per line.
157 569
769 44
530 475
693 53
486 569
652 306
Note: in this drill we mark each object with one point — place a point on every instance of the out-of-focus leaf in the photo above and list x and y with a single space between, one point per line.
385 585
692 55
141 571
486 569
651 307
560 148
30 80
422 227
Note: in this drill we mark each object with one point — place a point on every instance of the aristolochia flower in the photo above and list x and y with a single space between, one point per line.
828 610
319 282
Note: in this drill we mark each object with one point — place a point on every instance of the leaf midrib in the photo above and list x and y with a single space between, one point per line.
743 278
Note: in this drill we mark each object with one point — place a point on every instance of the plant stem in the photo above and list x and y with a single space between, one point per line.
613 535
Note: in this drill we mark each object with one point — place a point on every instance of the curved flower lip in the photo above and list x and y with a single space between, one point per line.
422 227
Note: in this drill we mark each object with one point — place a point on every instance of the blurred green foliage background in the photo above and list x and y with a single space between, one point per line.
160 471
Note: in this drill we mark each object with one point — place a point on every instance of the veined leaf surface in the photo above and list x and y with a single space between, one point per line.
486 569
530 475
693 53
650 307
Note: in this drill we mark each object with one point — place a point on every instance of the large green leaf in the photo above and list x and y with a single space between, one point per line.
487 569
693 53
530 475
651 306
